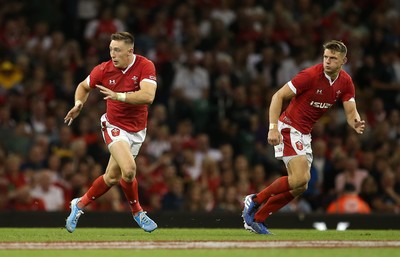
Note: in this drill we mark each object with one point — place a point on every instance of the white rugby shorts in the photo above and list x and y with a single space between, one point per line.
112 134
293 143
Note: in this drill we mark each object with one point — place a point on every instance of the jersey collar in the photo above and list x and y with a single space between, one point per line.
130 65
330 80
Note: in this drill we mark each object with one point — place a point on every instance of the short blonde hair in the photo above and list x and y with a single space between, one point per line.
123 36
336 46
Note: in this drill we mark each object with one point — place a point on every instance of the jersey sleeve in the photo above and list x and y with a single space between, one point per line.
96 75
349 92
301 81
149 72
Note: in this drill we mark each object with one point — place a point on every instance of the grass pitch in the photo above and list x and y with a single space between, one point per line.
26 240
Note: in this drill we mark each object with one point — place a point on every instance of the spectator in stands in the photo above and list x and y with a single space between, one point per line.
44 188
258 177
174 199
352 174
13 174
23 200
35 160
101 28
369 193
229 202
388 192
10 77
189 87
349 202
386 84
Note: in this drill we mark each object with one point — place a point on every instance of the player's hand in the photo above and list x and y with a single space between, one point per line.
108 94
72 114
359 126
274 137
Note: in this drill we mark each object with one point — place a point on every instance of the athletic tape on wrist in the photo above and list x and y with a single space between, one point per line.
121 97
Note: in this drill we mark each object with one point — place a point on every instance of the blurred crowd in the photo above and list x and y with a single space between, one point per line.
218 63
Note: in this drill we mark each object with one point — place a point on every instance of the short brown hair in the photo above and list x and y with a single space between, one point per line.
123 36
336 46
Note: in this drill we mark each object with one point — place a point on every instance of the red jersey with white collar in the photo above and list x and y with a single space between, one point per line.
130 117
315 94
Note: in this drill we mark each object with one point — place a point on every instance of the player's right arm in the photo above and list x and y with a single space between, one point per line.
81 94
275 109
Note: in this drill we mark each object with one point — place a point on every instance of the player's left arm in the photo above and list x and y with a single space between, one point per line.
145 95
147 88
353 117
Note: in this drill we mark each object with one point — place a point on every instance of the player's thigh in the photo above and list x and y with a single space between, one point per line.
298 170
121 153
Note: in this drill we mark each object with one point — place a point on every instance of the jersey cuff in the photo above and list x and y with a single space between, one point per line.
291 86
88 80
150 81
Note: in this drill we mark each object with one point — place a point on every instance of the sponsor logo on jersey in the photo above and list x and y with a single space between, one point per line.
112 82
320 105
338 93
319 91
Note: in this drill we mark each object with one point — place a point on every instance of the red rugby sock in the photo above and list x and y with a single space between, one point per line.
280 185
273 204
98 188
131 193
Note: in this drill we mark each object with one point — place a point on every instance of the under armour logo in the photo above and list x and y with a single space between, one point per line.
319 91
338 93
112 82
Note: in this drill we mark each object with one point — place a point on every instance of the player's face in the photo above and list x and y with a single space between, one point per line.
121 54
333 62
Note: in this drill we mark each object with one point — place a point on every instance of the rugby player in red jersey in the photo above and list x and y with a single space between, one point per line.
128 82
311 93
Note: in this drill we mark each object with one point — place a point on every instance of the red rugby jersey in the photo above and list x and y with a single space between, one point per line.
315 94
130 117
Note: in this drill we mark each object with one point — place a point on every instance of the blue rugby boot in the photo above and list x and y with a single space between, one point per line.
145 222
258 228
249 209
73 217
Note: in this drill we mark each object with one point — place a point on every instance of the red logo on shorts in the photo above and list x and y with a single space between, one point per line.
299 145
115 132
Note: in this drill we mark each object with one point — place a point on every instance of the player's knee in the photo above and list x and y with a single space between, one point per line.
111 180
299 190
302 188
128 174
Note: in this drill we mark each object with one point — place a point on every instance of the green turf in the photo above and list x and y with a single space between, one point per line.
391 252
119 234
